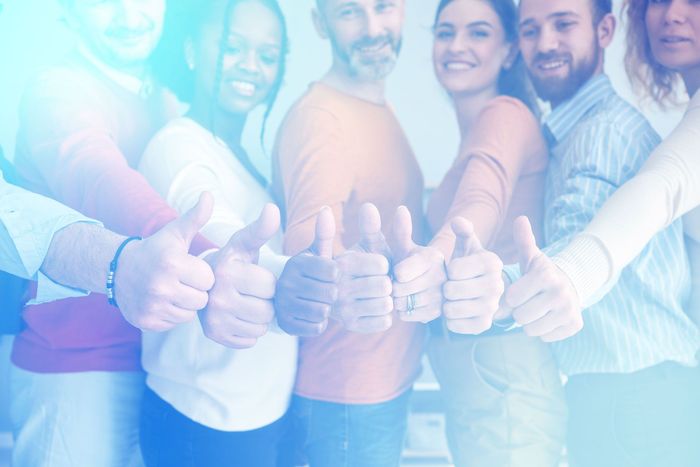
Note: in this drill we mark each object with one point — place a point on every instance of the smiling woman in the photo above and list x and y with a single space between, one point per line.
209 404
498 174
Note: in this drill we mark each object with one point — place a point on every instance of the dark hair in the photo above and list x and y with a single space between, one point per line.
184 19
648 76
600 9
513 81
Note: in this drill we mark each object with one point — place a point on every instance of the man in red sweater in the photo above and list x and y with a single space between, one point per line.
76 376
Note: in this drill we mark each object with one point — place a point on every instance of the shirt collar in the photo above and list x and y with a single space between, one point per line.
140 87
567 115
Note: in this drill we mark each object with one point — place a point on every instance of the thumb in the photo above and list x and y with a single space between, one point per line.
371 237
466 241
246 242
190 223
525 243
325 233
402 234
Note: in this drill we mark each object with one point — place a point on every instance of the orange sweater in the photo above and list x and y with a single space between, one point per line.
340 151
499 174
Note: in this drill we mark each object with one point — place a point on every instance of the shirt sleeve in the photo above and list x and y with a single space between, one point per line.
315 172
589 180
664 189
504 136
28 223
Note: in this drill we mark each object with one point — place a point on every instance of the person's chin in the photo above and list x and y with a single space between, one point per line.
551 89
241 106
133 54
376 70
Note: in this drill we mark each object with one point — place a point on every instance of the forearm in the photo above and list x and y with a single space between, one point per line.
617 233
79 256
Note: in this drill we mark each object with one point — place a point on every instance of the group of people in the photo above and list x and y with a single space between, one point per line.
279 324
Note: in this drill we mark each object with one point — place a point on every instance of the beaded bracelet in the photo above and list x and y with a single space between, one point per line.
113 269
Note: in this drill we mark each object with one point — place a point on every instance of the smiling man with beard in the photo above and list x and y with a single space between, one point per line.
341 145
630 358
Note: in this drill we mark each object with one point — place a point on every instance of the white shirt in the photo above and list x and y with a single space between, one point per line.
666 188
28 223
222 388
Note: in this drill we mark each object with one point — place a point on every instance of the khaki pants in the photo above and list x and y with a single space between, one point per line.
504 401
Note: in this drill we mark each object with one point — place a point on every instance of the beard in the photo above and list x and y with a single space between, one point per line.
369 67
561 89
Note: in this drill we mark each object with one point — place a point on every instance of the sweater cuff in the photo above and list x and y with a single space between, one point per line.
587 264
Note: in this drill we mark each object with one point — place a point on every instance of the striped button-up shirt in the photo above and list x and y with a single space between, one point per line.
599 141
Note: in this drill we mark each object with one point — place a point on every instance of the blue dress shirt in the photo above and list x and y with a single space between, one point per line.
598 142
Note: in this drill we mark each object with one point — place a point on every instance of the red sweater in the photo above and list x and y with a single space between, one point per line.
81 136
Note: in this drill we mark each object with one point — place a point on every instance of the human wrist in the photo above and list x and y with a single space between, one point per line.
586 264
122 252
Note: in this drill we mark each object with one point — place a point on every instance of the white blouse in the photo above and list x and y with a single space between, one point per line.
222 388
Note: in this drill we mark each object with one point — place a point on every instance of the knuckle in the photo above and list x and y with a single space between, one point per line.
216 302
493 262
387 304
385 323
385 286
449 290
482 324
452 310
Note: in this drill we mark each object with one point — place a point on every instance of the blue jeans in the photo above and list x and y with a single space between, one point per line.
171 439
351 435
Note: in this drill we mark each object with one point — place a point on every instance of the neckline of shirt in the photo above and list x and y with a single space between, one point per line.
334 90
562 120
205 133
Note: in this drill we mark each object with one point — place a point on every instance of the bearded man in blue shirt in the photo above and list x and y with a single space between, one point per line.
630 359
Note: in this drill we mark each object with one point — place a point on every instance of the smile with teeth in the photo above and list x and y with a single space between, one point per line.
552 65
374 48
244 88
458 66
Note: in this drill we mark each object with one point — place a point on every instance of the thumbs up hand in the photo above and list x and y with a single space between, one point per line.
475 283
544 300
159 283
240 306
419 273
308 287
364 290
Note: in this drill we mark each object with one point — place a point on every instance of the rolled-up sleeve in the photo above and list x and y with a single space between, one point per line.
28 223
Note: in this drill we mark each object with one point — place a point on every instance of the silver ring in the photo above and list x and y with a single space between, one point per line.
410 304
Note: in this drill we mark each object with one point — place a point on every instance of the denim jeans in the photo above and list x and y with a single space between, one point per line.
351 435
171 439
84 419
650 418
504 400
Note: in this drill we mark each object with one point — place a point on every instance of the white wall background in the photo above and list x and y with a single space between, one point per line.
31 35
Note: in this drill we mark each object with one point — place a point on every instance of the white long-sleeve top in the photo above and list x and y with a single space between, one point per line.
666 188
222 388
